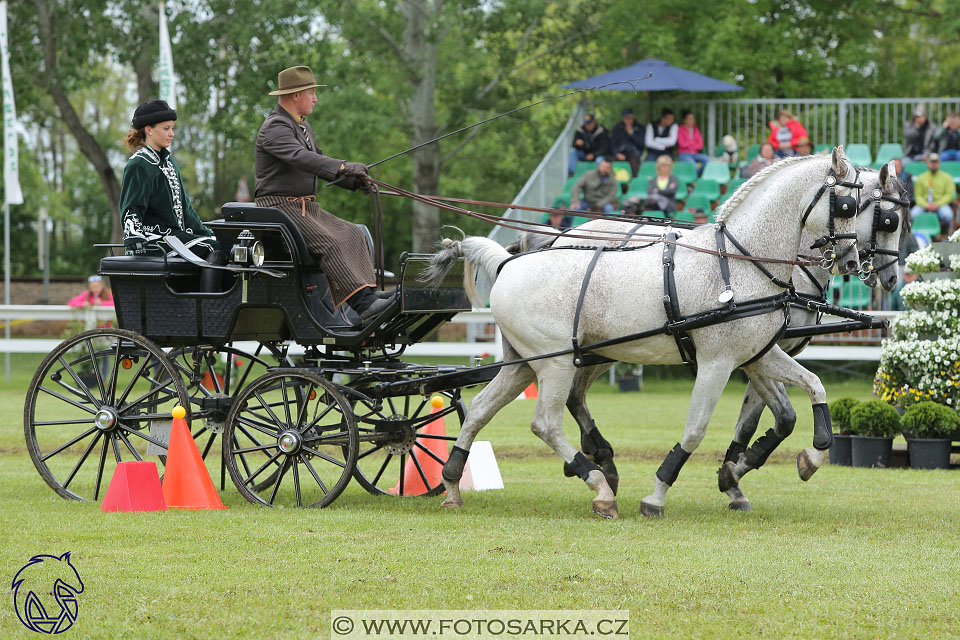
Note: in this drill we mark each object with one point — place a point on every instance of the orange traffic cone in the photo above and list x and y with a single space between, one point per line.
135 486
186 481
530 393
412 482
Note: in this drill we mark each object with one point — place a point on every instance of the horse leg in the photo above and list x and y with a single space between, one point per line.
774 395
503 389
711 379
593 445
778 366
554 381
750 412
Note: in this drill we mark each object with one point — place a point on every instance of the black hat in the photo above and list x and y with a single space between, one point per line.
627 112
150 113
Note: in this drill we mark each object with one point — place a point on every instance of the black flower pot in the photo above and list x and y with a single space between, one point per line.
840 450
628 383
929 453
870 451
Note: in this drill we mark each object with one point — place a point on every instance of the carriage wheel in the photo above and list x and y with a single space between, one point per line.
100 394
214 375
293 427
399 455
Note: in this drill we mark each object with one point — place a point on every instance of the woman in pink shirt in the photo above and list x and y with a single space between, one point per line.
95 295
690 142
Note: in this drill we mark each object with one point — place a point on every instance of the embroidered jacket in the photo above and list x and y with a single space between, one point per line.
154 204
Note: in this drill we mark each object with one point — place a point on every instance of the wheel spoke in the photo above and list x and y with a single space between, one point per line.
430 436
211 361
168 395
53 423
103 459
286 402
276 486
76 378
69 401
243 460
327 436
383 468
83 457
368 452
263 404
316 477
324 456
262 447
296 481
116 448
250 435
111 396
133 381
134 432
429 453
123 437
69 443
261 428
423 476
403 464
269 461
206 449
430 417
96 370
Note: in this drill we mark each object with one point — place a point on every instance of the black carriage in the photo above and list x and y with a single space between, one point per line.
301 394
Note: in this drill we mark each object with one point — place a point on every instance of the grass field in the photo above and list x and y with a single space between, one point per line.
852 553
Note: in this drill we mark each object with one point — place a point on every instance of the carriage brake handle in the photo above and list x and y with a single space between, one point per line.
184 252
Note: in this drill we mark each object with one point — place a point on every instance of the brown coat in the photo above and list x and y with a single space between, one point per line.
287 166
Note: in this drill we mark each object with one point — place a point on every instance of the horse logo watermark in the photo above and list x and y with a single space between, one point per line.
45 576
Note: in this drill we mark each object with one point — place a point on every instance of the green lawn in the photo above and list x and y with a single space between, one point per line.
852 553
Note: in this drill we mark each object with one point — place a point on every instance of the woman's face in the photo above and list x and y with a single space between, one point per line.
784 119
766 151
664 169
160 135
688 120
96 287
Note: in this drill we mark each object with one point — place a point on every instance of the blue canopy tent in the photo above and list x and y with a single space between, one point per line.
666 77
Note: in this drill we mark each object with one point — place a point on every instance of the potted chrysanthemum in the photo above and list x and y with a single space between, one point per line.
928 427
874 424
840 416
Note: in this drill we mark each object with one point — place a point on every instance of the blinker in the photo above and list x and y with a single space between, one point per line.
845 207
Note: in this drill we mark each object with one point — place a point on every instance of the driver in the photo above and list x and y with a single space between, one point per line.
288 162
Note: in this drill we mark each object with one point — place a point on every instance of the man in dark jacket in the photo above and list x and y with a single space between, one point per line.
628 141
591 143
288 162
918 138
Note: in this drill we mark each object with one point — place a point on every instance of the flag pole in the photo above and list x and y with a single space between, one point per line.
6 280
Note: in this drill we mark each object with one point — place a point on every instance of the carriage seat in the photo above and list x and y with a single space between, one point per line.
246 212
147 265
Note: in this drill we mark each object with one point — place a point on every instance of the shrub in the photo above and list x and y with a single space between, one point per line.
840 414
874 418
929 420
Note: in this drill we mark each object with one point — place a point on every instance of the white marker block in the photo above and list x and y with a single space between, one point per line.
481 471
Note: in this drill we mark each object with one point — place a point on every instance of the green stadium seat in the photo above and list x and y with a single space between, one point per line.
708 188
695 202
822 148
951 168
717 170
579 220
638 187
859 154
684 216
853 293
686 171
653 214
887 152
752 152
622 171
735 183
562 201
583 167
915 168
927 224
647 170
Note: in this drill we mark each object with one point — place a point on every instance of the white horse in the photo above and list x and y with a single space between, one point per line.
879 231
534 301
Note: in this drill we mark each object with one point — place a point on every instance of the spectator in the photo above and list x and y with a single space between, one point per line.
785 134
804 147
591 143
918 138
559 221
661 138
764 159
937 192
906 179
596 190
662 188
95 295
731 152
948 138
690 142
628 141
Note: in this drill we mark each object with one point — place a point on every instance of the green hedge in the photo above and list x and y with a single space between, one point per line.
874 418
929 420
840 414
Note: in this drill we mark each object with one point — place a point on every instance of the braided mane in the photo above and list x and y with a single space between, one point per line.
727 208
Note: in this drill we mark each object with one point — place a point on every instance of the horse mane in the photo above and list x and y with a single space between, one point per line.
727 208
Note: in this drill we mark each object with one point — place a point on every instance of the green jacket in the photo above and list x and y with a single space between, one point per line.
154 204
596 190
944 191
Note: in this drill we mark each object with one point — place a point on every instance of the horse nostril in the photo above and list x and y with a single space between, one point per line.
851 265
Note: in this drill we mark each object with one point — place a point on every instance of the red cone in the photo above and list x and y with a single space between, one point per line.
135 486
412 482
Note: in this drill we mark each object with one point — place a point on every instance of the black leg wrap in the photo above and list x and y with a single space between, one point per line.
595 445
672 464
453 469
582 467
734 451
822 429
757 454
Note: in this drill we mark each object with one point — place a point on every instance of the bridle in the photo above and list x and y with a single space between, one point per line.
884 221
841 206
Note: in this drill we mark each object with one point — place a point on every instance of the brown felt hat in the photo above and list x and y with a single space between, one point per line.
295 79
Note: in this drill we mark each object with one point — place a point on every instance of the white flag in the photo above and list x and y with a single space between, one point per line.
168 84
11 160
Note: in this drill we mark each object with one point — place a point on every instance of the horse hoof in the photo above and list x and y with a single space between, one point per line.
805 466
568 470
740 504
650 510
451 504
726 477
606 509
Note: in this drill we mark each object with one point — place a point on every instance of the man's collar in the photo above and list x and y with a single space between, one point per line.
296 118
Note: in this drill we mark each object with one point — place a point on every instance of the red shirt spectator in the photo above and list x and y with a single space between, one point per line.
779 139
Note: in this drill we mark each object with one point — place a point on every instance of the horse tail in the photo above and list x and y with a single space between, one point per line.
480 253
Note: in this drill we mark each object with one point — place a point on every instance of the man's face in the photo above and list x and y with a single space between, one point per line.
304 101
898 165
766 151
605 168
919 121
933 165
667 120
629 119
590 126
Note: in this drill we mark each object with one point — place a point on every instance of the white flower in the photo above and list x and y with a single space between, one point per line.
926 260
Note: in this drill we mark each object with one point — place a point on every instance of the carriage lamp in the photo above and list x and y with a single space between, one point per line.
247 250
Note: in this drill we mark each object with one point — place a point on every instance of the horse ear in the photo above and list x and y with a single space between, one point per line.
65 557
885 172
840 163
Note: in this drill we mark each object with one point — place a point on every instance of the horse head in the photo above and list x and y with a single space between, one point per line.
834 220
881 227
44 575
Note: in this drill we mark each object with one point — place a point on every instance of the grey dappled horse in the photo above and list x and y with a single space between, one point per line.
534 298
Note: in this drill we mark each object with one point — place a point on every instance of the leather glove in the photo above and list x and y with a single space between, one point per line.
354 169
